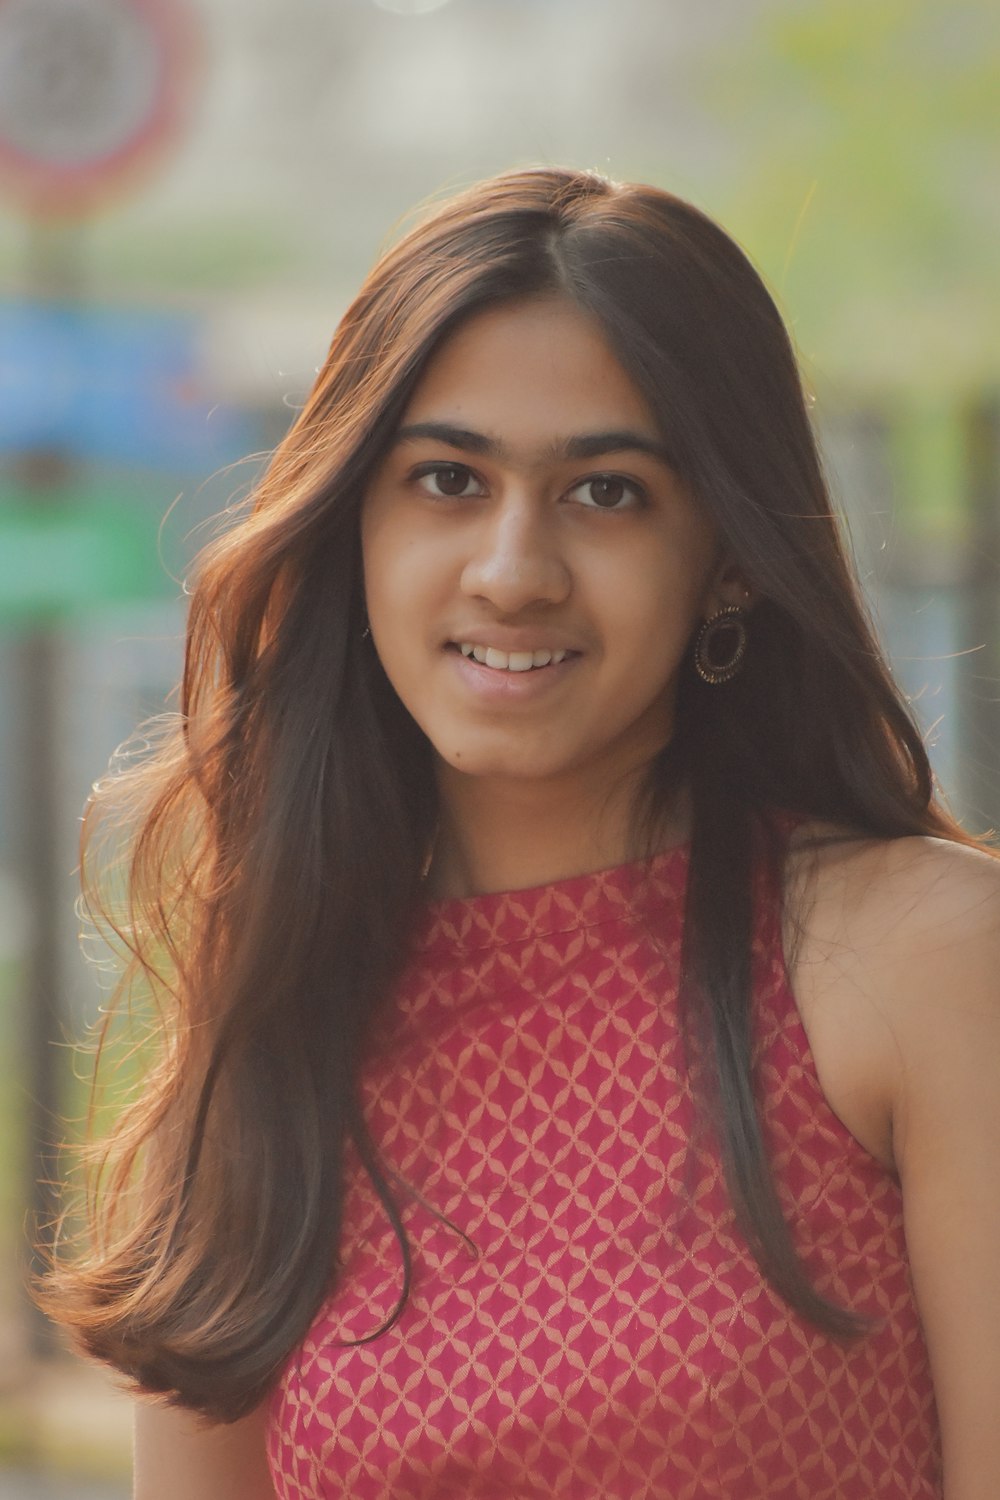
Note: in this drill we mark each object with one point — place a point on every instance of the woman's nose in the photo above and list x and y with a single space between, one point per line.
516 560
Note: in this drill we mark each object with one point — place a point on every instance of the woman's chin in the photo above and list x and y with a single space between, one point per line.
515 763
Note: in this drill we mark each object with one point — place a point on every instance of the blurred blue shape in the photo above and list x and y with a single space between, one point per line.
112 384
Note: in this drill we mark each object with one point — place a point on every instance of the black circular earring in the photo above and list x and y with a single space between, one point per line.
714 660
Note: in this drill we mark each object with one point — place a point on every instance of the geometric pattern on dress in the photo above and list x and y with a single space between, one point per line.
599 1328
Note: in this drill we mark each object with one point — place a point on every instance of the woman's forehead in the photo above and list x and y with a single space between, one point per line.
533 376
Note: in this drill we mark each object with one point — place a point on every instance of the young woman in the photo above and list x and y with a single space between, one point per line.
570 990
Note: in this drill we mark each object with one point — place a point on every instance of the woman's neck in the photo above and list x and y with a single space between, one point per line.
512 835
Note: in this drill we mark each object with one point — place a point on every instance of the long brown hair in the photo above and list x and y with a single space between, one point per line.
279 830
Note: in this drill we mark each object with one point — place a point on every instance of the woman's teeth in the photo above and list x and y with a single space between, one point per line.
511 661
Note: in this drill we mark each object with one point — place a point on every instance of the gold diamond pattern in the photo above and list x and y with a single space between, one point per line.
585 1321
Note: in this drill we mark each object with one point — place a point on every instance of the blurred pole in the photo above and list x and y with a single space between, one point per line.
54 273
981 449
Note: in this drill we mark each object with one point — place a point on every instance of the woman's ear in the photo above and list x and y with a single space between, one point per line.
729 586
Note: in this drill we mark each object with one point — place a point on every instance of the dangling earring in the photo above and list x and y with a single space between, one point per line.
728 621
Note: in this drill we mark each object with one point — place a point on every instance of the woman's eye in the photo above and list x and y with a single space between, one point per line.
451 481
609 492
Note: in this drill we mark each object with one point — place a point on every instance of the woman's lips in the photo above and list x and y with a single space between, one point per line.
521 659
503 683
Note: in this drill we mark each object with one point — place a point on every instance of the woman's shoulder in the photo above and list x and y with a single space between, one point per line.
894 955
892 897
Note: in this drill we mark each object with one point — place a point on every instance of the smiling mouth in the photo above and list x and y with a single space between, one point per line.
511 661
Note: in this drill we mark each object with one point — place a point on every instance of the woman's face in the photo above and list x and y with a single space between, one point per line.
533 567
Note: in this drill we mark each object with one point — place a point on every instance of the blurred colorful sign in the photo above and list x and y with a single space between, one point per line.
91 91
111 384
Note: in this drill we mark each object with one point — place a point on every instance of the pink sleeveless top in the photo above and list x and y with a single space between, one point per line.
585 1321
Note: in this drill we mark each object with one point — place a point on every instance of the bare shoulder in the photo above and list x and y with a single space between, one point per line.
912 925
893 899
177 1453
894 954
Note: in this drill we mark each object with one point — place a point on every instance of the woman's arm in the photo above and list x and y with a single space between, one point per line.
917 941
176 1455
947 1147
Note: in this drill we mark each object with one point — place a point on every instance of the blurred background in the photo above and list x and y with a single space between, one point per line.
189 196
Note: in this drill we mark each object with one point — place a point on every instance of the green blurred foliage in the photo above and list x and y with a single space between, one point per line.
865 178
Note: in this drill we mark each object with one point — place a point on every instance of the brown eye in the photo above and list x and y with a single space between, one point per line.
450 481
606 491
609 492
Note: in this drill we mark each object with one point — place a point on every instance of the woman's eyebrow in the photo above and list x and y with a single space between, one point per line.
593 444
455 437
582 446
